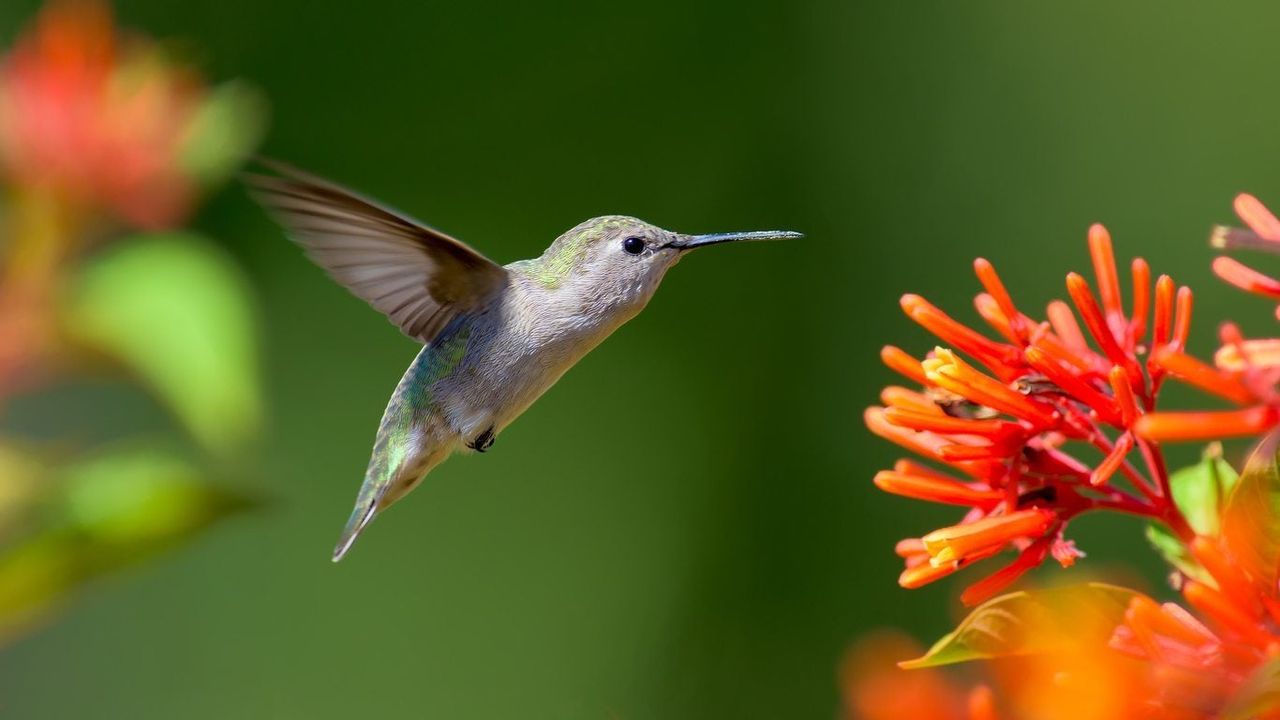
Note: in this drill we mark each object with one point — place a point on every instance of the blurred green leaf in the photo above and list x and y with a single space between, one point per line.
1251 518
176 311
1200 492
1175 552
1015 624
1259 695
124 498
226 130
108 512
1201 489
23 482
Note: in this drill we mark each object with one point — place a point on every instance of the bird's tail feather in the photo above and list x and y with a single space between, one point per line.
391 475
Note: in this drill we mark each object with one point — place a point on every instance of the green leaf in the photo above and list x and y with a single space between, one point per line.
1199 491
175 310
125 498
1172 549
24 483
226 130
1251 518
106 513
1016 624
1258 696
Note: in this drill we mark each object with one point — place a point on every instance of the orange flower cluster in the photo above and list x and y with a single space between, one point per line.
1002 420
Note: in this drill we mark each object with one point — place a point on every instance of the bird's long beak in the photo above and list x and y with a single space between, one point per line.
689 242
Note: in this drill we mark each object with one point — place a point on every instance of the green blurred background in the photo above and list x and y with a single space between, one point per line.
580 570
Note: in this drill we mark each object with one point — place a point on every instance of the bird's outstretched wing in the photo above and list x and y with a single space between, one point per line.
417 276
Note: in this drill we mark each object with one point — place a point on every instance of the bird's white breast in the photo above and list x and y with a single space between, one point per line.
518 349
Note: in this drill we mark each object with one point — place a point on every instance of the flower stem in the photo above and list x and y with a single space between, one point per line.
38 237
1169 512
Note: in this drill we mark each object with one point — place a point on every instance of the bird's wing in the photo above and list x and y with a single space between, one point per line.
417 276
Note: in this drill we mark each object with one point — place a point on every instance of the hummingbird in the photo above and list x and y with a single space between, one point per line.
494 337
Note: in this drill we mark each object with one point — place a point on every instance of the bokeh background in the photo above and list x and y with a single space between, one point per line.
580 569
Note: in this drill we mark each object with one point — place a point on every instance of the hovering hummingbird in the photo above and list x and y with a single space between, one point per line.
494 338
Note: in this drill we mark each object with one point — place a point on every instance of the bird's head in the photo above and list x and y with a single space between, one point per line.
615 263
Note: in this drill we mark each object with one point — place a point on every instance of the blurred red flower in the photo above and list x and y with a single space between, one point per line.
1201 663
1080 678
875 688
97 118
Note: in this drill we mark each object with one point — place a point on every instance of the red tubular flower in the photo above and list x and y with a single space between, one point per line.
1263 234
936 489
1002 424
1179 426
974 538
1006 419
1245 372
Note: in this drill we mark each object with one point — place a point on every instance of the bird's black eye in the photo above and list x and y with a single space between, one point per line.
633 245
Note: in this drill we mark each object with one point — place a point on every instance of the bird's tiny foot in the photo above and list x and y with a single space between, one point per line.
483 441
